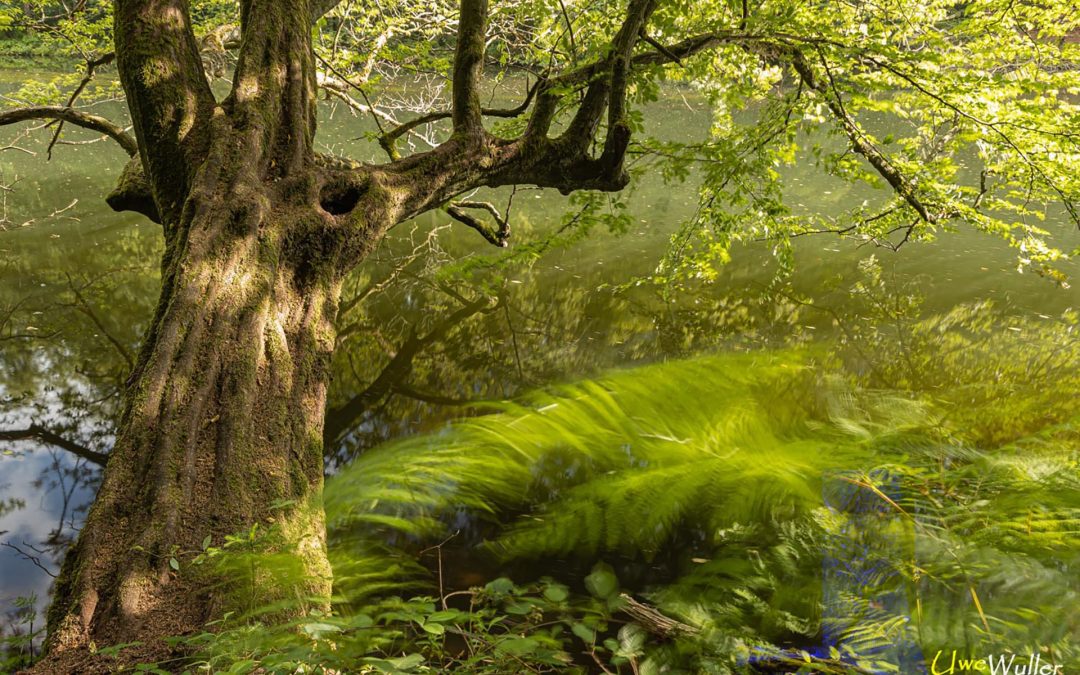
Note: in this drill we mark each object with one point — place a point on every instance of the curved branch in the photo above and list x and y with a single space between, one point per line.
498 237
35 432
72 116
860 143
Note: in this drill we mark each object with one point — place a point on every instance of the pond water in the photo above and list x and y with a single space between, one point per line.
78 283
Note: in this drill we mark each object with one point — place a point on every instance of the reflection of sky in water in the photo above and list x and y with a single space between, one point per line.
48 486
36 522
32 524
861 585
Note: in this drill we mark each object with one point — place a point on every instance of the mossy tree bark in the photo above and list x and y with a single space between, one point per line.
222 424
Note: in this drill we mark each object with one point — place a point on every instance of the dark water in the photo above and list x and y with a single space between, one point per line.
77 289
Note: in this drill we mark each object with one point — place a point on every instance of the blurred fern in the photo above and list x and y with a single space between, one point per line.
714 475
734 513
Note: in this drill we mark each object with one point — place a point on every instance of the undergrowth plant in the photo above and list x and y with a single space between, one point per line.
757 512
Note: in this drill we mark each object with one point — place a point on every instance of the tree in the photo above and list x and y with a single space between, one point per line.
222 424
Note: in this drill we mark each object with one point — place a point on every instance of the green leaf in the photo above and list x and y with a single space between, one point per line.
602 582
444 615
520 607
518 646
587 635
433 628
631 640
556 593
403 664
360 620
500 586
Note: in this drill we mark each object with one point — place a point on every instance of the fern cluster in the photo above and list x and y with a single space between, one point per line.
755 512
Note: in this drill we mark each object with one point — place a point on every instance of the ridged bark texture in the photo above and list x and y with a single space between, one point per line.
223 420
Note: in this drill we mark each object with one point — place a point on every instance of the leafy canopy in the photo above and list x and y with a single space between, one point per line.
941 114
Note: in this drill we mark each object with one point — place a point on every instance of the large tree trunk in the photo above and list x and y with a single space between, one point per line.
222 424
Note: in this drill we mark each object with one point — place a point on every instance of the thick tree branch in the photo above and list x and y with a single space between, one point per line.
167 93
428 180
35 432
273 100
72 116
622 53
417 183
469 66
562 163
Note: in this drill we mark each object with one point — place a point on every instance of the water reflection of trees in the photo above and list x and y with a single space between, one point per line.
419 346
428 346
65 346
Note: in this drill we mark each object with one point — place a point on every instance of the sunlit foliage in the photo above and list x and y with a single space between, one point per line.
965 113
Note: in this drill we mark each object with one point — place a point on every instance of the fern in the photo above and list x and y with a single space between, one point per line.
774 505
787 510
